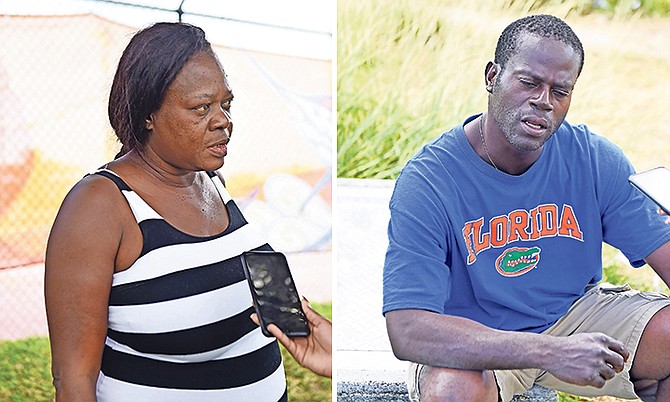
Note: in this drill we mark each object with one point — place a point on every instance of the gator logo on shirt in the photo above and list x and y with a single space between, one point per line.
517 261
521 225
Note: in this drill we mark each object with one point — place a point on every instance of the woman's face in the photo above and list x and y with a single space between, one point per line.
191 128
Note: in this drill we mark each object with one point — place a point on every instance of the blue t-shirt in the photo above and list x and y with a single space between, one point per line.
512 252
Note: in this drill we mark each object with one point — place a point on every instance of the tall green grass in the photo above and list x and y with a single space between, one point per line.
396 83
408 71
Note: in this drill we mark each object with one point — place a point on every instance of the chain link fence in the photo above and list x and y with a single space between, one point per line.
55 74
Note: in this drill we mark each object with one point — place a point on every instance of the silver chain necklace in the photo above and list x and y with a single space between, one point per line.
486 149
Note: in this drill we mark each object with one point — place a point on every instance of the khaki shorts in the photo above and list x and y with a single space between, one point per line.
617 311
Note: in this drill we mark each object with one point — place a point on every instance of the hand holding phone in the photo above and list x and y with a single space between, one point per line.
314 352
275 296
655 184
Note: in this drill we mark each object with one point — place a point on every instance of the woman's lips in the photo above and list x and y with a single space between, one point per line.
219 150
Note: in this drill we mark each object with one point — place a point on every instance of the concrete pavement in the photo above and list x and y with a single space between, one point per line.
366 367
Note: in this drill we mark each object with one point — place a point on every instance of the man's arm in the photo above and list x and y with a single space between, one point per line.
447 341
659 260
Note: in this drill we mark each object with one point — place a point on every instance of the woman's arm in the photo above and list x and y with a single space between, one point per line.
80 260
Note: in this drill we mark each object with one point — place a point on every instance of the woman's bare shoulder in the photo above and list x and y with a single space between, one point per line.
93 191
93 207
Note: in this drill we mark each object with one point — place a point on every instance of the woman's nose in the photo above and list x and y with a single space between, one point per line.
222 119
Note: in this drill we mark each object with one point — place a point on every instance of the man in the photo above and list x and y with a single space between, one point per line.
491 275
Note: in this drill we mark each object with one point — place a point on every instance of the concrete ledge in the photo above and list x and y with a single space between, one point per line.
537 394
381 391
371 391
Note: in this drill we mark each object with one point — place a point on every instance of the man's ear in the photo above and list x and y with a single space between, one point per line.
490 73
149 122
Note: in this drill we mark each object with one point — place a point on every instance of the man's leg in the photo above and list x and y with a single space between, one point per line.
625 315
446 385
652 360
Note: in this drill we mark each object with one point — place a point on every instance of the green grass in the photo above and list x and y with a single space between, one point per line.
303 385
25 372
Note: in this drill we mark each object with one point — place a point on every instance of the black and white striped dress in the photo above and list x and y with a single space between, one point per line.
179 327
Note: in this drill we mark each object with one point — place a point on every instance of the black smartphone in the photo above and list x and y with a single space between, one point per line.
655 184
274 293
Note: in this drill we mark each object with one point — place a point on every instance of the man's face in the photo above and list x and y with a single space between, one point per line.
531 96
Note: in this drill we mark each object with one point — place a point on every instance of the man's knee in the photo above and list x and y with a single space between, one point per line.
443 384
652 358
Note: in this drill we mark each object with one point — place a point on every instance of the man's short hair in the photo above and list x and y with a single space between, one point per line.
541 25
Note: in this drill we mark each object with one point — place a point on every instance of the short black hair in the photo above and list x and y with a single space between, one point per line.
542 25
148 65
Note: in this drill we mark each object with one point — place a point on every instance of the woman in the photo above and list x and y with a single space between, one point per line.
146 298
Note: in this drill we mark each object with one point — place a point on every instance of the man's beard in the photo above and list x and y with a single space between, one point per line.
509 122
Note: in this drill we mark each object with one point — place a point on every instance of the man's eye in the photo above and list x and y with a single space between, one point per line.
201 108
529 84
560 93
227 104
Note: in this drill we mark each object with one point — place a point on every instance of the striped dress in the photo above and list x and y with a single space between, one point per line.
179 327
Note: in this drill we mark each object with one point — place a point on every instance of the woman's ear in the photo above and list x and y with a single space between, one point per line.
149 122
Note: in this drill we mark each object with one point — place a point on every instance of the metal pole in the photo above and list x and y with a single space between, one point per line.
179 10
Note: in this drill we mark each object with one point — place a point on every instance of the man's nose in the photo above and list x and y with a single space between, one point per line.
542 98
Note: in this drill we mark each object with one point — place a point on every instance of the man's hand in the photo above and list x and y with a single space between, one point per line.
587 359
